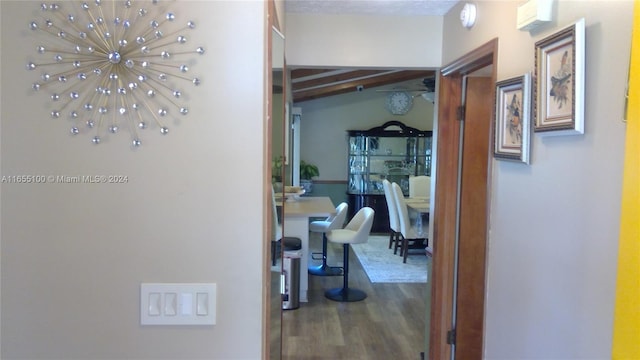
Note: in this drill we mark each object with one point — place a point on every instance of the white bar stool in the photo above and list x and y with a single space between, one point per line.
323 226
356 232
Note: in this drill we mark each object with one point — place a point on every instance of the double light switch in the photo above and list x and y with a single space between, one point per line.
177 304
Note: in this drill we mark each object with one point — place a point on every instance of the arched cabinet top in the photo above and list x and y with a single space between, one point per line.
391 128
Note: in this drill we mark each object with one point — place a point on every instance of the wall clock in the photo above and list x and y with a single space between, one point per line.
399 102
113 66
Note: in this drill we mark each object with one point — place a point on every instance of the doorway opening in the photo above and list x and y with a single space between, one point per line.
392 324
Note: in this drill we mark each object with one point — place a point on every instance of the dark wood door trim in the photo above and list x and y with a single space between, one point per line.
444 214
484 55
473 218
443 218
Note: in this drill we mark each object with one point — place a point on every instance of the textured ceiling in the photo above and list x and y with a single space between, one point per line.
371 7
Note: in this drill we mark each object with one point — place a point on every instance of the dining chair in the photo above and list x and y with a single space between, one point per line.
277 239
332 222
394 220
419 186
355 232
407 232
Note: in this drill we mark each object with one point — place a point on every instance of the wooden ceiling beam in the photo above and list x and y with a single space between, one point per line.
331 79
299 73
350 86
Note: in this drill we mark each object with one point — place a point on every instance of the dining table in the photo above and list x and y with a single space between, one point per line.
418 204
297 214
422 206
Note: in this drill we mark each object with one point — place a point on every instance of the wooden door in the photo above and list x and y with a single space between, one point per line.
473 218
460 212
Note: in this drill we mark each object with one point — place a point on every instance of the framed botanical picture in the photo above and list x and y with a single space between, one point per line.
512 125
559 82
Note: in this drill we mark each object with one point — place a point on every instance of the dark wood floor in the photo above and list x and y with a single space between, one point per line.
388 324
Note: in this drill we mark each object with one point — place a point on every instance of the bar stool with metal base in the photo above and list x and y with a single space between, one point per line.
356 232
330 223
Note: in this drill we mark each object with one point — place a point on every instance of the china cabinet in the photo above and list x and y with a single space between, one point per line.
392 151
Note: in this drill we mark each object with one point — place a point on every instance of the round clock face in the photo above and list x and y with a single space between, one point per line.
399 102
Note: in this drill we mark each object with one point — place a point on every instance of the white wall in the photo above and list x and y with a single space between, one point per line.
325 122
363 41
554 224
74 255
280 13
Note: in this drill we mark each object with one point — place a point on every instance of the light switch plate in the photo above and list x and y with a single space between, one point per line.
177 304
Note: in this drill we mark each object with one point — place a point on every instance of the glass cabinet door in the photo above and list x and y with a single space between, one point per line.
357 164
379 153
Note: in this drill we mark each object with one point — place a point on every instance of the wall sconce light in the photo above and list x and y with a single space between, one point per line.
468 15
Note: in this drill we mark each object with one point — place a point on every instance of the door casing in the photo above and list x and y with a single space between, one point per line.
445 216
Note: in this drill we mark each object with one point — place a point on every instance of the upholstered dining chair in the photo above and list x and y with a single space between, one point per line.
355 232
407 232
322 226
277 240
419 186
394 220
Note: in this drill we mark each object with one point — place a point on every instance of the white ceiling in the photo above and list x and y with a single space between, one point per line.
371 7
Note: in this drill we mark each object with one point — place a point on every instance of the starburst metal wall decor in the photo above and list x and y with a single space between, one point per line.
111 65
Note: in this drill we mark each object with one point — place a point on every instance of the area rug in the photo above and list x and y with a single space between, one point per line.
382 266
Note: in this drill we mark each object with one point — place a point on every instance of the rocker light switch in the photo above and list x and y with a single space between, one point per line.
178 304
202 304
154 304
170 304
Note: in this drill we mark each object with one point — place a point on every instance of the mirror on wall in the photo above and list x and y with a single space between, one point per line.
278 101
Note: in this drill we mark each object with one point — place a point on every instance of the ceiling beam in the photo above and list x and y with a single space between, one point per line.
332 79
298 73
350 86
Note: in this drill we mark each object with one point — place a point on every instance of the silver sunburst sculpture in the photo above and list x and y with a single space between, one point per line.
107 65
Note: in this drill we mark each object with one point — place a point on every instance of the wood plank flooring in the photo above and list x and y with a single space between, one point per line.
388 324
